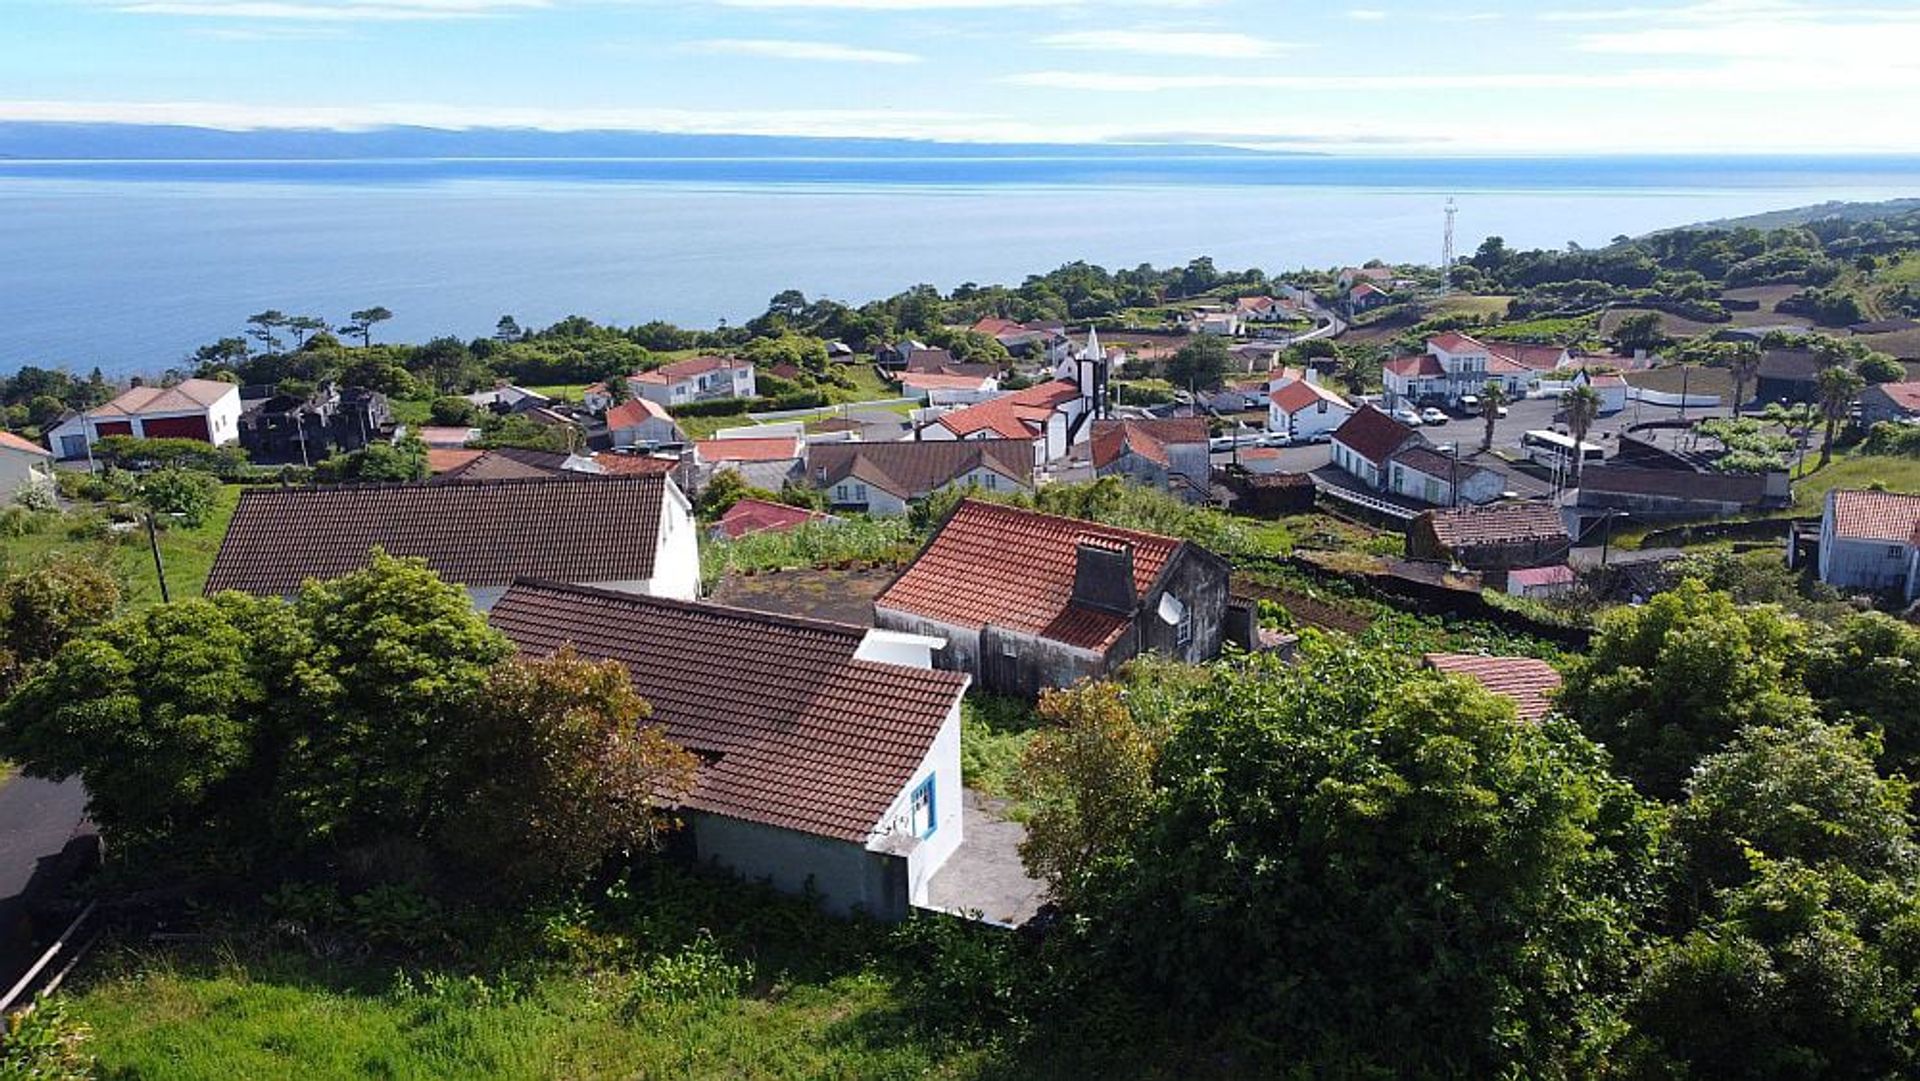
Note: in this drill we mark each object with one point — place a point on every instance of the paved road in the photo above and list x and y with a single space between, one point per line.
37 819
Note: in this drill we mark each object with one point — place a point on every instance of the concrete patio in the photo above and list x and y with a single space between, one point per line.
984 875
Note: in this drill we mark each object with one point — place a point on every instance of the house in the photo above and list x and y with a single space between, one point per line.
1454 365
1366 440
1378 275
1220 324
68 438
1264 310
642 423
1871 541
1239 395
514 463
24 465
944 388
1044 344
1304 409
700 379
751 515
632 534
1540 582
1367 296
894 356
1610 386
1051 415
1502 537
442 436
1677 492
884 478
1170 455
763 463
1787 375
1528 683
829 754
203 409
1897 402
1425 474
442 460
1027 601
507 398
289 428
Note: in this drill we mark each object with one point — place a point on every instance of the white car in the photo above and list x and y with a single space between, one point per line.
1406 415
1228 442
1275 439
1430 415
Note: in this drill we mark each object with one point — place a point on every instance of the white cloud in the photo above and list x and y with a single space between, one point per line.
1220 45
330 10
959 5
1732 78
803 50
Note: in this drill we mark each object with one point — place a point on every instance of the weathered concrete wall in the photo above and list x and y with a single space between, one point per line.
845 876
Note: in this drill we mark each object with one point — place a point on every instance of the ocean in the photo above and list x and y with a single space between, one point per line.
130 265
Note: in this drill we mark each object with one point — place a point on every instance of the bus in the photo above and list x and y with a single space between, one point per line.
1551 449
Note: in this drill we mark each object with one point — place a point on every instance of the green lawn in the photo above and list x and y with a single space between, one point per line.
1485 307
187 553
1850 471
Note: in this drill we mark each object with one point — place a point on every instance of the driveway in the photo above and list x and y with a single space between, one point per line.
984 875
37 821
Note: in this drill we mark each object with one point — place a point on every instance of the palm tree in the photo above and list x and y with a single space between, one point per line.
1581 405
1837 387
1492 397
1744 364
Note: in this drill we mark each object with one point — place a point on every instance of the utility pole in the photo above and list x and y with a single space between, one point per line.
1446 251
1684 372
159 568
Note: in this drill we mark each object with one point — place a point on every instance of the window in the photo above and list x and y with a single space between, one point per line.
1896 551
839 493
859 493
1183 631
990 481
925 820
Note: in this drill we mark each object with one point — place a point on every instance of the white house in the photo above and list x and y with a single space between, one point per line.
1216 323
203 409
638 422
630 533
829 754
23 465
884 479
68 439
1453 365
700 379
506 397
1610 386
1364 443
1304 409
947 388
1050 415
1871 541
1429 476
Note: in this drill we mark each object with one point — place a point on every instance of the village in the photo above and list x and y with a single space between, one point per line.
834 608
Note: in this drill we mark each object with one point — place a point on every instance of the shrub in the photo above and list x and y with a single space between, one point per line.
698 974
182 493
44 1044
454 412
394 915
36 497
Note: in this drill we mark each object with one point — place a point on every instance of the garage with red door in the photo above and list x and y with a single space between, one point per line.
106 428
178 428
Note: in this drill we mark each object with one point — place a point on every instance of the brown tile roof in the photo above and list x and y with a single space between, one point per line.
14 442
634 412
189 396
1793 365
1538 358
577 528
1507 523
911 469
505 463
759 516
1435 464
1529 683
442 436
1148 438
1903 396
1014 568
687 369
1876 516
1424 365
445 459
1373 435
1297 395
1020 415
635 465
1455 342
769 449
792 730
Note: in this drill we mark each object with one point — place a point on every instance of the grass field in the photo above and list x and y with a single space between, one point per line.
187 553
1483 307
1850 471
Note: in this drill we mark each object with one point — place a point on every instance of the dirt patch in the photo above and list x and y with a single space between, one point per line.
841 596
1764 295
1696 380
1902 345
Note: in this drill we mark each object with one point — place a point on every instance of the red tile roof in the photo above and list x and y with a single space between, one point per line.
14 442
1528 683
1506 523
1905 396
1877 516
760 516
574 527
506 463
634 412
1368 289
771 449
447 459
1425 365
791 729
1557 574
634 465
1455 342
1148 438
1014 568
687 369
1538 358
1020 415
192 395
1299 395
1373 435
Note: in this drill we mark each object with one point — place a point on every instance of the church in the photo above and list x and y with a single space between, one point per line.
1054 415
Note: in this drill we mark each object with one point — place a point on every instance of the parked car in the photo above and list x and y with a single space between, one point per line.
1469 404
1406 414
1430 415
1228 442
1275 439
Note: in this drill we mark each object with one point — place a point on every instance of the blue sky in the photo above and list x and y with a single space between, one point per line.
1478 76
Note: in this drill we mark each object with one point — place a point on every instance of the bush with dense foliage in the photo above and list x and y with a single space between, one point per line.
181 494
402 461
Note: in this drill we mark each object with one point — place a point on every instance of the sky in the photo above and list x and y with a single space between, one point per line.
1382 76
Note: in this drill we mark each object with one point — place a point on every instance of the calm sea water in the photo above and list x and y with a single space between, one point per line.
130 265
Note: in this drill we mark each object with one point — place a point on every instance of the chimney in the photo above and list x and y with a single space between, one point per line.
1103 575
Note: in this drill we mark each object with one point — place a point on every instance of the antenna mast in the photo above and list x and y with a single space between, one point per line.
1446 250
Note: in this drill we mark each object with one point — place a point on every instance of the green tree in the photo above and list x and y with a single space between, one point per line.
1836 388
1380 872
1641 330
1089 773
723 490
1201 364
1744 364
1880 368
396 659
402 461
266 327
1866 673
1674 679
1581 405
365 320
1493 397
454 411
557 768
45 606
183 494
